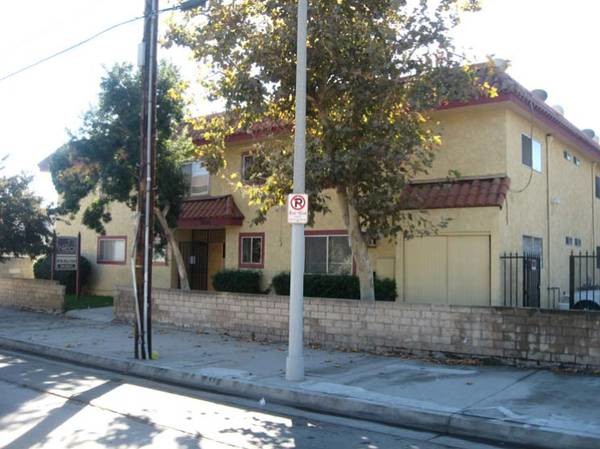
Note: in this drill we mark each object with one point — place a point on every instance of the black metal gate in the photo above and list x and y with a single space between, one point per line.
521 275
195 257
584 280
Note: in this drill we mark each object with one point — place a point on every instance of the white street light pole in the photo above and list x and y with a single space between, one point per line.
295 358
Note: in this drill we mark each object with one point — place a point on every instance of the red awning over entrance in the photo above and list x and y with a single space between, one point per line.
209 212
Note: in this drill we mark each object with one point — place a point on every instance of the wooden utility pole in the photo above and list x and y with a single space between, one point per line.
147 177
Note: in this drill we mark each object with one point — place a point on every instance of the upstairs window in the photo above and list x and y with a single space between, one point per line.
576 161
247 167
577 242
327 254
197 178
568 156
531 152
568 241
597 186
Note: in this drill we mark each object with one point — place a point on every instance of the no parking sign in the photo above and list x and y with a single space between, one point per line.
297 206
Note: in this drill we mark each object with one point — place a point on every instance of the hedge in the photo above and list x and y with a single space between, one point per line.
42 267
237 281
335 286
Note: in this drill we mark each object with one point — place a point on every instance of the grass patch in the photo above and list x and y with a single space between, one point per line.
87 301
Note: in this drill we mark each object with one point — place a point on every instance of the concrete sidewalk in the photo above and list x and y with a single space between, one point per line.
521 406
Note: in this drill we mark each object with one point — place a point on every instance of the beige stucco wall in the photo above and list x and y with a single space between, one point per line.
104 277
568 203
473 141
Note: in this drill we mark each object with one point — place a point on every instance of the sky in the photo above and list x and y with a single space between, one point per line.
551 44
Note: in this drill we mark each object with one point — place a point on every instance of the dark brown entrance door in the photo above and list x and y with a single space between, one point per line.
195 256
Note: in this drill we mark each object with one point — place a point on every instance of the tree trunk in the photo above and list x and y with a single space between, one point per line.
358 245
183 277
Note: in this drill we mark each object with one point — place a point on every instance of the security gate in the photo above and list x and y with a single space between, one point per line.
195 257
521 277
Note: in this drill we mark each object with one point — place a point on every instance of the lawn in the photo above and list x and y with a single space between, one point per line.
87 301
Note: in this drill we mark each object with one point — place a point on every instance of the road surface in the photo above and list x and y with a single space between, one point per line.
48 404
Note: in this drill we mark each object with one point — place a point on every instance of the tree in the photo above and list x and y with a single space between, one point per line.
102 158
375 71
25 227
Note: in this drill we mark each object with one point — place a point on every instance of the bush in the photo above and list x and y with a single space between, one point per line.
43 265
237 281
335 286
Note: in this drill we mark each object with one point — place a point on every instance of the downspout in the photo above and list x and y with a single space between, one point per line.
549 139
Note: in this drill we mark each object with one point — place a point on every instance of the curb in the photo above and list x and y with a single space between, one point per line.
454 423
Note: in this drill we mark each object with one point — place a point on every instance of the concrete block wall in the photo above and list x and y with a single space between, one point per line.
32 294
516 335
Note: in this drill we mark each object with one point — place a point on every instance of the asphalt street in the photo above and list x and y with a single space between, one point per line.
47 404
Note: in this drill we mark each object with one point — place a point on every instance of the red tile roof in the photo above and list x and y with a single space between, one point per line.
209 211
486 192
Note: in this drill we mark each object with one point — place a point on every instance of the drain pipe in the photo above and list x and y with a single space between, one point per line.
549 139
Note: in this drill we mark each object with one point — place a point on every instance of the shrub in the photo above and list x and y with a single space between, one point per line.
237 281
43 265
335 286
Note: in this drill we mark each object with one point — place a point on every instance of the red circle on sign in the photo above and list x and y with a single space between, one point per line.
297 202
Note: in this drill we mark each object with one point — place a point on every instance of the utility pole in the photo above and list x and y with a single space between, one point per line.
146 193
295 358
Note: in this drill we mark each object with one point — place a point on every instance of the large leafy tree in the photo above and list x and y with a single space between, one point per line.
102 158
376 70
25 226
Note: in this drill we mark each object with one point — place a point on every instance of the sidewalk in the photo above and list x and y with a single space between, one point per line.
520 406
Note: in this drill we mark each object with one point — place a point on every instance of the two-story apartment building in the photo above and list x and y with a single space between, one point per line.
529 182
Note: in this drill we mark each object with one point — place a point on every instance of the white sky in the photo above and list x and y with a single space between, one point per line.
551 44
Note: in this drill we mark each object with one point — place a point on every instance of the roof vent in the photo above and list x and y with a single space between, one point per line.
500 64
589 132
540 94
558 108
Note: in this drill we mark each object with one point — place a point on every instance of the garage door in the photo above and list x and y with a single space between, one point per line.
447 270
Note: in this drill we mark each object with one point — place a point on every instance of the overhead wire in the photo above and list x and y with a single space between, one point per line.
80 43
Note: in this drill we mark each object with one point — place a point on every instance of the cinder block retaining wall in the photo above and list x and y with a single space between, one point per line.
33 294
547 337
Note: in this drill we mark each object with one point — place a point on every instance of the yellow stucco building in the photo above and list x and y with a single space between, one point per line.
529 182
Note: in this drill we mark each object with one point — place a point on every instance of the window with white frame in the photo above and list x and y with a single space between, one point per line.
197 178
252 250
533 246
327 254
568 156
111 250
531 152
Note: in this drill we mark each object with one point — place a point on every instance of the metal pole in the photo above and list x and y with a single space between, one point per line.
295 358
78 272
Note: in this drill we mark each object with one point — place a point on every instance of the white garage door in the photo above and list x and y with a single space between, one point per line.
447 270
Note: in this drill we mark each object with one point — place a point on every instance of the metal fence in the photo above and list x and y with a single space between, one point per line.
521 279
584 281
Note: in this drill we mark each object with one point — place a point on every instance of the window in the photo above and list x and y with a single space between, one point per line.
197 178
577 242
568 156
252 250
531 152
246 166
532 246
576 161
327 254
597 186
568 241
112 250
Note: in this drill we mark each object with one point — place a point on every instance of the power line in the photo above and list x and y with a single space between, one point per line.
72 47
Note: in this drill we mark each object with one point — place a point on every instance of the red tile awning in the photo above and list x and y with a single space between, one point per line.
483 192
210 211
